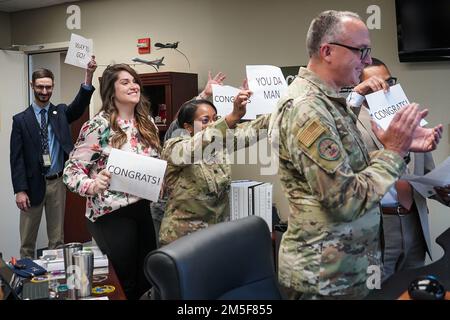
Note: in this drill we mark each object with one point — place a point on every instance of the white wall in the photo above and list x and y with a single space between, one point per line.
227 35
12 64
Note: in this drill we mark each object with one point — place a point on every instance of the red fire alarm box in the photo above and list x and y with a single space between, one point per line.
143 45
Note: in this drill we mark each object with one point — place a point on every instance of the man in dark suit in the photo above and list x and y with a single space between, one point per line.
405 211
40 143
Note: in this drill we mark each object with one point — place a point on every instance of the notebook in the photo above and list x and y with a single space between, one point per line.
15 288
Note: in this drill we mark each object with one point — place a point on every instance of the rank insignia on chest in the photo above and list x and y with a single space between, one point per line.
328 149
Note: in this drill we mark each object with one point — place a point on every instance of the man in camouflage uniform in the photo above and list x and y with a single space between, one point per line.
332 184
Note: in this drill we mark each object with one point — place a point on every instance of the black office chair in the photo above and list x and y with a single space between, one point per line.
230 260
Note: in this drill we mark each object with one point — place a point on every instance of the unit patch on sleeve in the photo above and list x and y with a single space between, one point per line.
328 149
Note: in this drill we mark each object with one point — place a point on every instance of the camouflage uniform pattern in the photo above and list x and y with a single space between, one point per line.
333 187
199 192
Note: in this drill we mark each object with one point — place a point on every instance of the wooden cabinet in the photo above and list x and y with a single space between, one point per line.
171 89
75 228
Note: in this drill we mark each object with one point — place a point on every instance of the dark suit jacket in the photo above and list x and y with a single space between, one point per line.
27 167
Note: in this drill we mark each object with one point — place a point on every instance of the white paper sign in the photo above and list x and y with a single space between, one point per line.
136 174
223 99
268 85
439 176
425 190
383 106
80 51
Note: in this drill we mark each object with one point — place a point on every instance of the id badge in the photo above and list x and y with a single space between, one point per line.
47 160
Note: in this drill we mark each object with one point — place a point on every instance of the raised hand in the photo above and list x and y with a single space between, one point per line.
239 108
218 79
426 139
372 84
91 67
244 85
398 136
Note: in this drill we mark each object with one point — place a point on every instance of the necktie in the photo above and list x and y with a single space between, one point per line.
44 132
404 193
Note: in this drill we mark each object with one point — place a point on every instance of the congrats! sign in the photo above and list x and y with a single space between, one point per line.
383 106
135 174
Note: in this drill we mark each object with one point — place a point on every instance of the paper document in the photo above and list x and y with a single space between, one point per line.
79 52
268 85
438 177
53 260
383 106
223 99
136 174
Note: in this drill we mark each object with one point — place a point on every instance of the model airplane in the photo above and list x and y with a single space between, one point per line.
154 63
171 45
168 45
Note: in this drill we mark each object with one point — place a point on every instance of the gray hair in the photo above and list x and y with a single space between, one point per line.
326 27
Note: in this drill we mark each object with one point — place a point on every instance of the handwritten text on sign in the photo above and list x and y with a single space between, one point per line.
80 51
383 106
136 174
223 99
268 85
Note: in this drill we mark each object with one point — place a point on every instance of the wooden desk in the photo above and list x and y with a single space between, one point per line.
111 280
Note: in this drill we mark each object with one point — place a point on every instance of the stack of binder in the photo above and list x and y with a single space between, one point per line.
248 197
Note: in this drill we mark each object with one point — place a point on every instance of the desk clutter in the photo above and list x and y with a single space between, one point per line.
26 268
89 276
71 272
53 260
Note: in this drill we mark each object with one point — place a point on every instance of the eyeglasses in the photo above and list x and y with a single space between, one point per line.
41 87
391 81
365 51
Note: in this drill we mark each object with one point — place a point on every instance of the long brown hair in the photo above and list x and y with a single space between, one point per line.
148 132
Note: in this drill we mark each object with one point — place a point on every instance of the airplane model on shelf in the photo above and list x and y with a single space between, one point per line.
154 63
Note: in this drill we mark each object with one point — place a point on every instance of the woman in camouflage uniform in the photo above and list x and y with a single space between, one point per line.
198 177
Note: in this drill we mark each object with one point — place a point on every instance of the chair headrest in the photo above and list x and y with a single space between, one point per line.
231 258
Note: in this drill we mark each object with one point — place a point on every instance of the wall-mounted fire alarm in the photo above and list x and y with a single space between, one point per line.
143 45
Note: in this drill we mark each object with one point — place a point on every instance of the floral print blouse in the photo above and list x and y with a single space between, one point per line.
90 156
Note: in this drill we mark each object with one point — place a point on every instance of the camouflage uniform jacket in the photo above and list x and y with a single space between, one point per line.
198 186
333 187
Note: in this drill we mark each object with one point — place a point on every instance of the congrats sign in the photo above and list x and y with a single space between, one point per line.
223 99
384 105
79 52
136 174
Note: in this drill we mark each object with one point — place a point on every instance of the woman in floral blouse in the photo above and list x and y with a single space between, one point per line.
120 223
